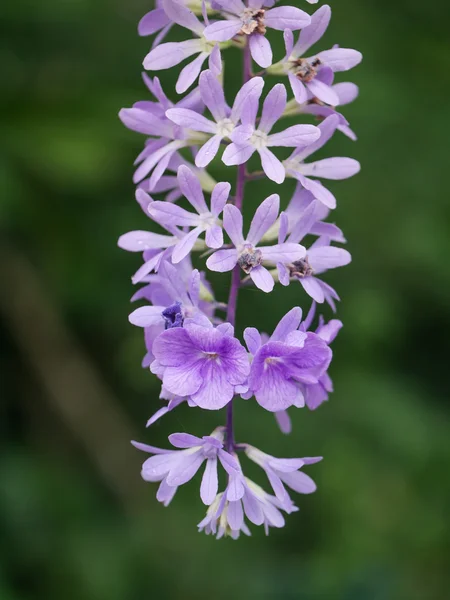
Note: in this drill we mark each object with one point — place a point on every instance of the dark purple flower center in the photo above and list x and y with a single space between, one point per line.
301 268
173 317
249 258
253 22
305 70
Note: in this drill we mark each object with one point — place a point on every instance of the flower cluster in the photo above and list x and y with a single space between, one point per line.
190 340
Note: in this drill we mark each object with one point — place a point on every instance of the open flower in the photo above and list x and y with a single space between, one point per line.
202 362
246 252
252 20
206 220
225 120
327 168
289 358
248 138
167 55
310 74
176 467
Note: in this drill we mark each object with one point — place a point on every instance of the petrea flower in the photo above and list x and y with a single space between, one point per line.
225 120
319 258
176 467
252 19
170 54
311 74
327 168
206 363
206 220
281 471
165 138
248 138
246 252
288 359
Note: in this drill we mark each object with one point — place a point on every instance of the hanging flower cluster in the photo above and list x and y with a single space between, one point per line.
190 339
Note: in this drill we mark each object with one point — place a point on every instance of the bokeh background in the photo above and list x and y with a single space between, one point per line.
76 521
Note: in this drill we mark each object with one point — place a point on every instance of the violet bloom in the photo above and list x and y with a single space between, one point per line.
246 252
165 138
176 467
319 258
252 20
170 54
310 75
279 367
327 168
249 138
206 220
282 471
205 363
225 120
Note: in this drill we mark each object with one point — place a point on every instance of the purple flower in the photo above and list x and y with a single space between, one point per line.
327 168
319 258
288 359
225 120
249 138
313 74
167 55
252 20
243 498
282 471
176 467
246 252
165 138
206 220
205 363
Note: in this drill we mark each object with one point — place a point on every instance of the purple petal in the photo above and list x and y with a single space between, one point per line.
191 189
327 129
172 214
235 515
235 488
328 257
277 486
329 331
295 136
260 50
171 54
313 289
283 274
190 73
340 59
242 134
165 493
262 278
138 241
319 191
249 92
214 237
212 95
288 42
272 167
152 22
275 392
185 245
323 92
288 323
304 223
298 89
285 253
332 168
299 482
146 448
219 197
215 61
233 223
215 391
265 216
252 509
174 348
286 17
180 14
222 261
312 34
273 107
146 316
185 469
191 120
347 92
284 421
252 338
222 31
208 151
210 482
184 440
236 155
284 227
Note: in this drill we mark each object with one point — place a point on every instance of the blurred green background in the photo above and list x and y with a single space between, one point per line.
76 521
